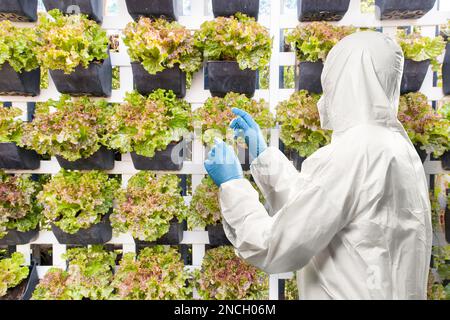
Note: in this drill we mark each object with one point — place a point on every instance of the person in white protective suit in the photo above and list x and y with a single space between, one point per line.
356 220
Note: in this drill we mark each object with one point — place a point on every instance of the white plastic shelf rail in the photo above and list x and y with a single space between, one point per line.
276 21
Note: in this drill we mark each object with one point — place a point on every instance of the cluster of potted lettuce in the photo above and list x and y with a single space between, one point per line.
73 48
84 134
13 154
301 134
312 43
151 208
419 52
235 48
78 206
156 273
14 276
20 212
427 129
439 281
215 116
225 276
204 212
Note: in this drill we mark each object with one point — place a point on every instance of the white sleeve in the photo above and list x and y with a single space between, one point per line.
276 177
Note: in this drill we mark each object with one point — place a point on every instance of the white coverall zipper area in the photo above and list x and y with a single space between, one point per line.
356 220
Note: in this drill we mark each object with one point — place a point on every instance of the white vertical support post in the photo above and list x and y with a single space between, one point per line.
273 287
274 82
58 251
26 251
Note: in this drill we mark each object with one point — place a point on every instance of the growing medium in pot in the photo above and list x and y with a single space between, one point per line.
148 205
19 68
74 200
157 273
160 45
19 209
145 125
300 124
215 115
12 272
72 128
225 276
426 128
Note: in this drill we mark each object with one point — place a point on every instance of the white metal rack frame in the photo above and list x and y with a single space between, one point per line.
276 21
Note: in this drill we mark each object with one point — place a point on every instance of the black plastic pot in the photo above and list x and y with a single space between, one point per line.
217 236
173 237
92 8
103 159
308 77
402 9
447 220
17 158
162 160
26 83
226 8
170 79
446 71
226 76
18 10
168 9
414 73
95 80
30 284
422 153
14 237
445 160
297 160
321 10
97 234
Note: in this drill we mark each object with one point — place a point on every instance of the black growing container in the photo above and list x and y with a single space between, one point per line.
227 8
308 77
95 80
414 73
17 158
168 9
26 83
445 160
422 153
25 289
97 234
321 10
402 9
173 237
446 70
103 159
169 79
18 10
92 8
226 76
162 160
447 219
14 237
217 236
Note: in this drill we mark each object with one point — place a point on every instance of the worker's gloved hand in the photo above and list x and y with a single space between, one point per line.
222 164
254 138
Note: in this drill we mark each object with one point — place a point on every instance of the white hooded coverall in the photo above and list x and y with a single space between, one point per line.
356 220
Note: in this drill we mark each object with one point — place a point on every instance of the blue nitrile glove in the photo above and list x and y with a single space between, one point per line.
252 133
222 164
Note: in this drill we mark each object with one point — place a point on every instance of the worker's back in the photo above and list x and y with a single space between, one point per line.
384 251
